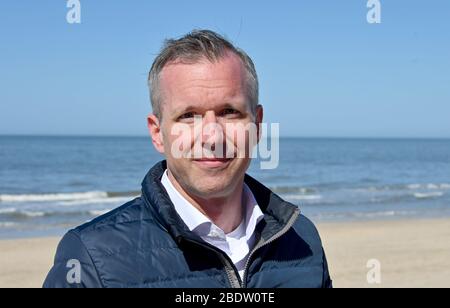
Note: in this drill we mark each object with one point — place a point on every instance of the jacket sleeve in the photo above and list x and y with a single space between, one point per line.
73 266
327 283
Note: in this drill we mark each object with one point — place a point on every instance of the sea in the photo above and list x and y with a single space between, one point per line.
50 184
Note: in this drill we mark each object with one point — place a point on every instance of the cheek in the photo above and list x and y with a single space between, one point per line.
239 134
178 140
243 137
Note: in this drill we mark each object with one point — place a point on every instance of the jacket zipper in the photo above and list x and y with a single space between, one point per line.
271 240
231 269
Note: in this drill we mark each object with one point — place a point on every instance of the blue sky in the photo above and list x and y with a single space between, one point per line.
324 71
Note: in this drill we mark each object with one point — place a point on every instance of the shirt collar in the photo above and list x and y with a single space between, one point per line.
253 213
191 216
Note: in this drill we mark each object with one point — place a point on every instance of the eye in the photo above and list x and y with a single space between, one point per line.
230 111
187 116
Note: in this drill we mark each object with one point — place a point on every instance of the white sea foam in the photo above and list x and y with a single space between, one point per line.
98 212
429 186
428 195
7 224
15 212
292 189
32 214
10 210
376 214
303 197
384 214
433 186
118 201
54 197
414 186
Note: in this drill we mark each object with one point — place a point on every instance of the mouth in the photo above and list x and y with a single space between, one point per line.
212 163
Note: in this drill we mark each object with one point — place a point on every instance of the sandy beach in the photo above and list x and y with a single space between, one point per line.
24 263
411 253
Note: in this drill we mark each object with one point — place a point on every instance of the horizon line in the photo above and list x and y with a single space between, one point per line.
281 137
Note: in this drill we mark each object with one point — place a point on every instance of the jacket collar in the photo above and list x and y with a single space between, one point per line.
277 212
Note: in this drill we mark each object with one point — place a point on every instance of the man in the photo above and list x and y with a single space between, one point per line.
201 222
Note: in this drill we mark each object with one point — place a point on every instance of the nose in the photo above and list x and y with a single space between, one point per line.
210 117
212 135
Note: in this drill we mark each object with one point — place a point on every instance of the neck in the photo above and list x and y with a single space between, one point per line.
225 212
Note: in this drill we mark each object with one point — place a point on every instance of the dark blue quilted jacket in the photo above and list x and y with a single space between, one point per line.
145 244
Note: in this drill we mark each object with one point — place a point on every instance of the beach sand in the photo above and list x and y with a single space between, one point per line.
25 263
411 253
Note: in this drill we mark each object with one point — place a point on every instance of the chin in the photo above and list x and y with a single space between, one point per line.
213 188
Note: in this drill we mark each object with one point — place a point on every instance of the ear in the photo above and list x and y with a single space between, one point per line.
259 119
154 128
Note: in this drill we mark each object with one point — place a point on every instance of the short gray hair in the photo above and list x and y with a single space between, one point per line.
192 48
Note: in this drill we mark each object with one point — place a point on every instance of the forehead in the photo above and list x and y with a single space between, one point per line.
203 82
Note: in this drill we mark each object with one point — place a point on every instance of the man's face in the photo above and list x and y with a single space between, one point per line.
205 107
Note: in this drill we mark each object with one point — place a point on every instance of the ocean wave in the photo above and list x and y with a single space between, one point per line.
292 189
15 214
303 197
66 197
118 201
428 195
429 186
7 224
398 187
8 210
376 214
98 212
54 197
383 214
33 214
414 186
28 214
361 216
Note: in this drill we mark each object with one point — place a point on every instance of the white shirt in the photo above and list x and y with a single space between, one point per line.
237 244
